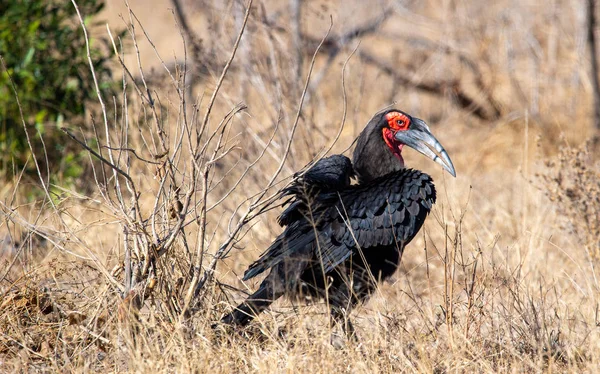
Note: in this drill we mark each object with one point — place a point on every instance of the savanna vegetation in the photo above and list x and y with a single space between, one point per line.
183 128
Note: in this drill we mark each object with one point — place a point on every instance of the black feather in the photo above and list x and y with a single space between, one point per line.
336 232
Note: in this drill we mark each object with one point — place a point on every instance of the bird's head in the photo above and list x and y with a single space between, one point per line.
379 147
401 129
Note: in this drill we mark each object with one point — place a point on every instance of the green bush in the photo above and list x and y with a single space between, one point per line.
43 47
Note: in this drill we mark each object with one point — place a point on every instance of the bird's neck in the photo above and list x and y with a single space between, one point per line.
372 161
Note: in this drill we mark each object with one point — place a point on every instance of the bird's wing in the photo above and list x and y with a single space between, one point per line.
297 240
331 173
389 211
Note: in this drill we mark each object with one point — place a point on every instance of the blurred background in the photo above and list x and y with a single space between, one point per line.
504 86
506 261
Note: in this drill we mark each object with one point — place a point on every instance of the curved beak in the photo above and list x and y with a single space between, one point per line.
419 138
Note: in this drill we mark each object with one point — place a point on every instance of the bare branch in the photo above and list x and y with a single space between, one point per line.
591 39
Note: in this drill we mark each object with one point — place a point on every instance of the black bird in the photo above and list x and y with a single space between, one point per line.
340 239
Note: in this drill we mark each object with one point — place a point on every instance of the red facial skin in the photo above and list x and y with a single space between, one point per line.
396 122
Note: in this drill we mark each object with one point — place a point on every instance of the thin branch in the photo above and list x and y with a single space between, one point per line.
224 73
591 39
254 210
196 283
97 155
296 33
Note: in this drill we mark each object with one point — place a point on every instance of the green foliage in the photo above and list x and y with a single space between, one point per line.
43 47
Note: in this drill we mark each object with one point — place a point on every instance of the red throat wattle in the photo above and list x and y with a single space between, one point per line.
393 144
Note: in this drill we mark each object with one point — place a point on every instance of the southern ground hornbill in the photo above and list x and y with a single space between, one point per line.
341 239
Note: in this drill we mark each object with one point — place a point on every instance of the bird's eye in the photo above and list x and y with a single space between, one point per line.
397 121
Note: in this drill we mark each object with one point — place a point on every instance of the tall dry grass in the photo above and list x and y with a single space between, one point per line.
128 272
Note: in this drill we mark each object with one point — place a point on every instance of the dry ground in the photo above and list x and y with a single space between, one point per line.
501 279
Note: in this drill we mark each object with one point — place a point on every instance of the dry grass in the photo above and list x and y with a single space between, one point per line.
118 276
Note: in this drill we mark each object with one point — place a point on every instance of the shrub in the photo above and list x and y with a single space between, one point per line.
44 52
572 184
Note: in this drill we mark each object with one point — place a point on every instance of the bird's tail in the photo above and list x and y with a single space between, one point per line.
253 305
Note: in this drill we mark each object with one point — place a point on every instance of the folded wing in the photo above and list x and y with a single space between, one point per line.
390 210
